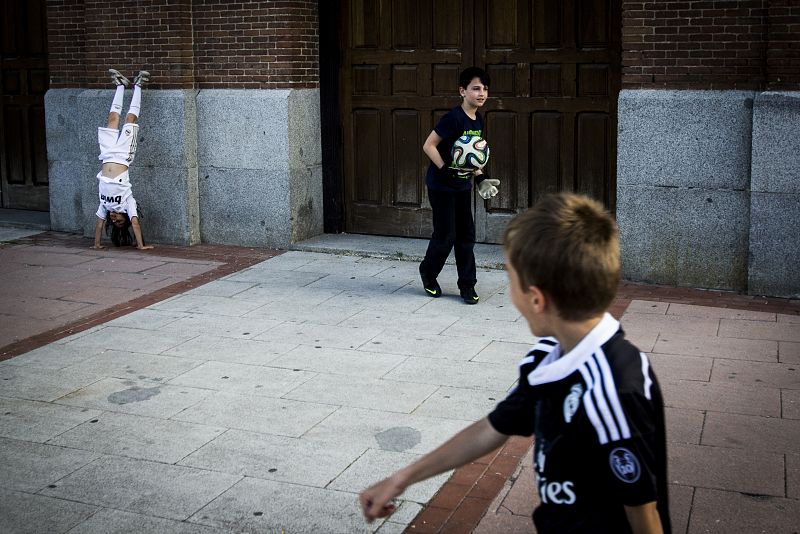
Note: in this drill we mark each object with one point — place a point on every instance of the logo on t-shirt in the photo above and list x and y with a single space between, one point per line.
624 465
572 401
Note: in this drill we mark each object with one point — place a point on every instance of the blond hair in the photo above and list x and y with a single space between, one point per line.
567 245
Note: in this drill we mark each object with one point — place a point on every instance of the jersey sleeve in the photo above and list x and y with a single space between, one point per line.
102 212
131 208
631 464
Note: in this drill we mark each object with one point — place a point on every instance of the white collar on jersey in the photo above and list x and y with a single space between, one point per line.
561 367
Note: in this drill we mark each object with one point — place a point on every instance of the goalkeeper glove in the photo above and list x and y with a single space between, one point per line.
488 188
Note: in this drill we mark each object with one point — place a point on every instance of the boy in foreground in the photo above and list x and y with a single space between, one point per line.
589 396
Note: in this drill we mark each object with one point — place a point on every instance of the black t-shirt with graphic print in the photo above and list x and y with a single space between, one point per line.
450 127
598 418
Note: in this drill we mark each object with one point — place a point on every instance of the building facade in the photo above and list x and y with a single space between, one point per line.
271 121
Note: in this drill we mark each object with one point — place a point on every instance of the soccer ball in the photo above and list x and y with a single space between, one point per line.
470 152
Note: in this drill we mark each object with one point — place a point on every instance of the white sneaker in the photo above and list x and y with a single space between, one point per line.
142 78
118 78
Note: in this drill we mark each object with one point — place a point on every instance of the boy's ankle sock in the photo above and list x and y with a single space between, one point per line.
116 104
136 101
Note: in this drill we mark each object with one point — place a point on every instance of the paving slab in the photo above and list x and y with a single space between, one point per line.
39 421
31 467
108 521
715 511
26 513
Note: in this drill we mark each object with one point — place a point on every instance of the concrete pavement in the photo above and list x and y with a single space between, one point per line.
264 397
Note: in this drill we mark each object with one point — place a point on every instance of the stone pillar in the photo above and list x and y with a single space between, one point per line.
775 197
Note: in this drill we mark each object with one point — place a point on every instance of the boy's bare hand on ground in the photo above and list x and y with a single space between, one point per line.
376 500
97 247
146 247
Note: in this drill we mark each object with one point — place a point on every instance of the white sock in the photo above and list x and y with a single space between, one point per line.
116 105
136 101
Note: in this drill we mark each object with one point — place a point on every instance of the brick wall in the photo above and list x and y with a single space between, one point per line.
185 43
719 44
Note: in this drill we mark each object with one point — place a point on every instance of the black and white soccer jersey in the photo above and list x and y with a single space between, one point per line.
598 419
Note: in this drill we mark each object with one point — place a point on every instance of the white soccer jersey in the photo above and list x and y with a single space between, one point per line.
598 419
115 196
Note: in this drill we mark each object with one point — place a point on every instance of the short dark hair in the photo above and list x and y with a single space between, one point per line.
567 245
470 73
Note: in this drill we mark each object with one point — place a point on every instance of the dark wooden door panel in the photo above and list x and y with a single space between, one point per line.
550 121
23 83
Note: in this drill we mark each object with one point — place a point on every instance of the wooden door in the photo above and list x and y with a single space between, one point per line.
550 120
23 83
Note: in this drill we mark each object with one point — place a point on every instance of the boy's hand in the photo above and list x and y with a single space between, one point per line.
146 247
376 500
97 247
488 188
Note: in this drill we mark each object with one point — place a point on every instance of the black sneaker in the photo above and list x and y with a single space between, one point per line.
469 295
432 288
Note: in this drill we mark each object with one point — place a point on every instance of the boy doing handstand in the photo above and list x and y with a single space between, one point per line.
117 210
588 395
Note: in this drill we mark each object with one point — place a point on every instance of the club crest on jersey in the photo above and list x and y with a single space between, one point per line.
624 465
127 132
572 401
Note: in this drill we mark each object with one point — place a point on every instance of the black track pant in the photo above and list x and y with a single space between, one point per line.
453 227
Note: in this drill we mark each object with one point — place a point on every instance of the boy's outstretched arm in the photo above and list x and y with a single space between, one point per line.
98 233
475 441
137 233
644 519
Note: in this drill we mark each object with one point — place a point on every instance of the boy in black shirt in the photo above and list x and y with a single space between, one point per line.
450 189
589 396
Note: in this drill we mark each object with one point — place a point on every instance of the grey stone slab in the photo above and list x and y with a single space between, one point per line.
359 392
139 397
344 266
304 297
790 404
221 288
457 403
121 364
669 324
376 465
717 347
502 353
685 138
775 143
233 350
290 260
647 306
680 506
264 275
134 436
386 431
255 505
221 325
354 363
108 521
722 398
711 467
299 310
146 319
774 245
759 330
207 304
24 513
684 237
8 233
793 476
26 466
476 375
676 367
342 337
242 379
768 375
257 414
112 337
365 284
41 384
271 457
684 425
39 421
720 512
516 332
751 432
401 301
710 312
788 352
428 345
53 357
140 486
452 304
791 319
